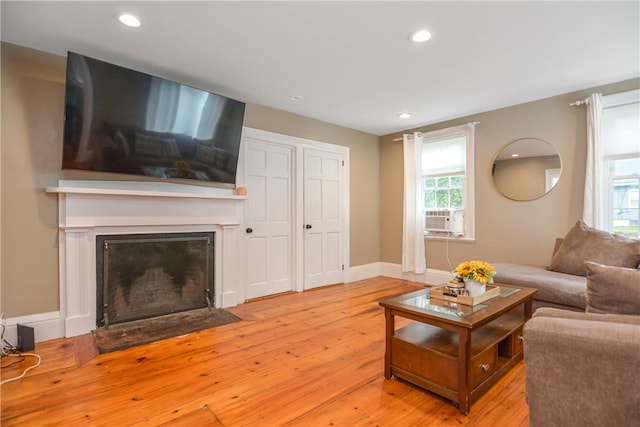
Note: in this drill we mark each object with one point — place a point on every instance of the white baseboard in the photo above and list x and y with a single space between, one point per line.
49 326
46 326
362 272
430 277
367 271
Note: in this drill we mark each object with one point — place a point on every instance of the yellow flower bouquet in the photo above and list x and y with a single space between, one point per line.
480 271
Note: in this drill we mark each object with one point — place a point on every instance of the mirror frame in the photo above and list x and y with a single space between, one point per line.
511 196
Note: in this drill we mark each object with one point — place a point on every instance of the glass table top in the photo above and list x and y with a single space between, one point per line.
449 308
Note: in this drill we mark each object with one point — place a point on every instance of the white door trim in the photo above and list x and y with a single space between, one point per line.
298 144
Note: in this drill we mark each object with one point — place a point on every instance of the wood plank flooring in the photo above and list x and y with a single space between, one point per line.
314 358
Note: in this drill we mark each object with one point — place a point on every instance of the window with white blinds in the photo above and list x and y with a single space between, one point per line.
448 179
620 157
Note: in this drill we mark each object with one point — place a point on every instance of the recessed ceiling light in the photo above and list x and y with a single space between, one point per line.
129 20
420 36
404 115
295 98
515 155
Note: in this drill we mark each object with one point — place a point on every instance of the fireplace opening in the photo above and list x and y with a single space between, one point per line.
142 276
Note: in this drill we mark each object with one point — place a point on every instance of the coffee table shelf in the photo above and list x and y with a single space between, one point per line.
457 356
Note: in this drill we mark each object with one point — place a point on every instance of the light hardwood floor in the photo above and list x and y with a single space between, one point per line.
314 358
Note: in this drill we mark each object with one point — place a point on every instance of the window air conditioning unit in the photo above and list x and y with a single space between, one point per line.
444 220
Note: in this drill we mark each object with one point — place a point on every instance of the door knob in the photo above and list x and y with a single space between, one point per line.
308 226
249 230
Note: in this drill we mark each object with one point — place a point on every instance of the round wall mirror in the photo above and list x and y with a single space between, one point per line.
526 169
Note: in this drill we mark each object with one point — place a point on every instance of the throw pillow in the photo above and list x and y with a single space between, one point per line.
583 243
612 290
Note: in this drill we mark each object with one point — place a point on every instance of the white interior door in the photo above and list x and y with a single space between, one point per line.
323 218
268 176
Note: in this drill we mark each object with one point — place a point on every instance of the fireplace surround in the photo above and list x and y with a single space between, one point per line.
88 209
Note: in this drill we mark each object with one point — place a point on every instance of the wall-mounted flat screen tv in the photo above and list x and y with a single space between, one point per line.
124 121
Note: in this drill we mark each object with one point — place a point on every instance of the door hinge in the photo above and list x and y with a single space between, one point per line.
342 267
343 163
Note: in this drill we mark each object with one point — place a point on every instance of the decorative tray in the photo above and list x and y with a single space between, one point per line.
441 292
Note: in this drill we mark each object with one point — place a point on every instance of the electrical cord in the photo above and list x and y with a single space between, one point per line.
6 345
448 260
26 370
9 350
12 363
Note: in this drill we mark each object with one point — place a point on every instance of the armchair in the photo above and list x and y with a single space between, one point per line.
582 369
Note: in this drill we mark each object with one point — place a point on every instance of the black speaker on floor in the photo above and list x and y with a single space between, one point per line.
25 338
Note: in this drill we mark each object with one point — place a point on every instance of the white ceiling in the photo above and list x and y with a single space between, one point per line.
351 63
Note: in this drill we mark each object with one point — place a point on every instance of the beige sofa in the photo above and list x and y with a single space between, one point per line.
563 284
583 369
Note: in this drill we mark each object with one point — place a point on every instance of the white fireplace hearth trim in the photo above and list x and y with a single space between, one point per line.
95 208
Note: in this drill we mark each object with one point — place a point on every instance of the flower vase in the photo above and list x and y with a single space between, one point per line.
474 288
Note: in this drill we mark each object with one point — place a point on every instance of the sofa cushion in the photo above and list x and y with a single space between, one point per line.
583 243
553 287
612 290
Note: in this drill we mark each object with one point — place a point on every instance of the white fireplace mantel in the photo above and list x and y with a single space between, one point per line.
91 208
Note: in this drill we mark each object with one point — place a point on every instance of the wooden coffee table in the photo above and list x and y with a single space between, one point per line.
456 351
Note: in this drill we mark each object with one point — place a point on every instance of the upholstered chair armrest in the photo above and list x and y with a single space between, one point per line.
582 372
566 314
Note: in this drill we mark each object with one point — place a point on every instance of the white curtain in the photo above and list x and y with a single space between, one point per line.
413 252
592 191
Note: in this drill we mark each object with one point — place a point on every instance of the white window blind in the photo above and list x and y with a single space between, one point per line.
444 157
621 130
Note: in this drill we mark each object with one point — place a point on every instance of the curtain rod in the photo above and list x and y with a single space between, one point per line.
584 101
470 124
